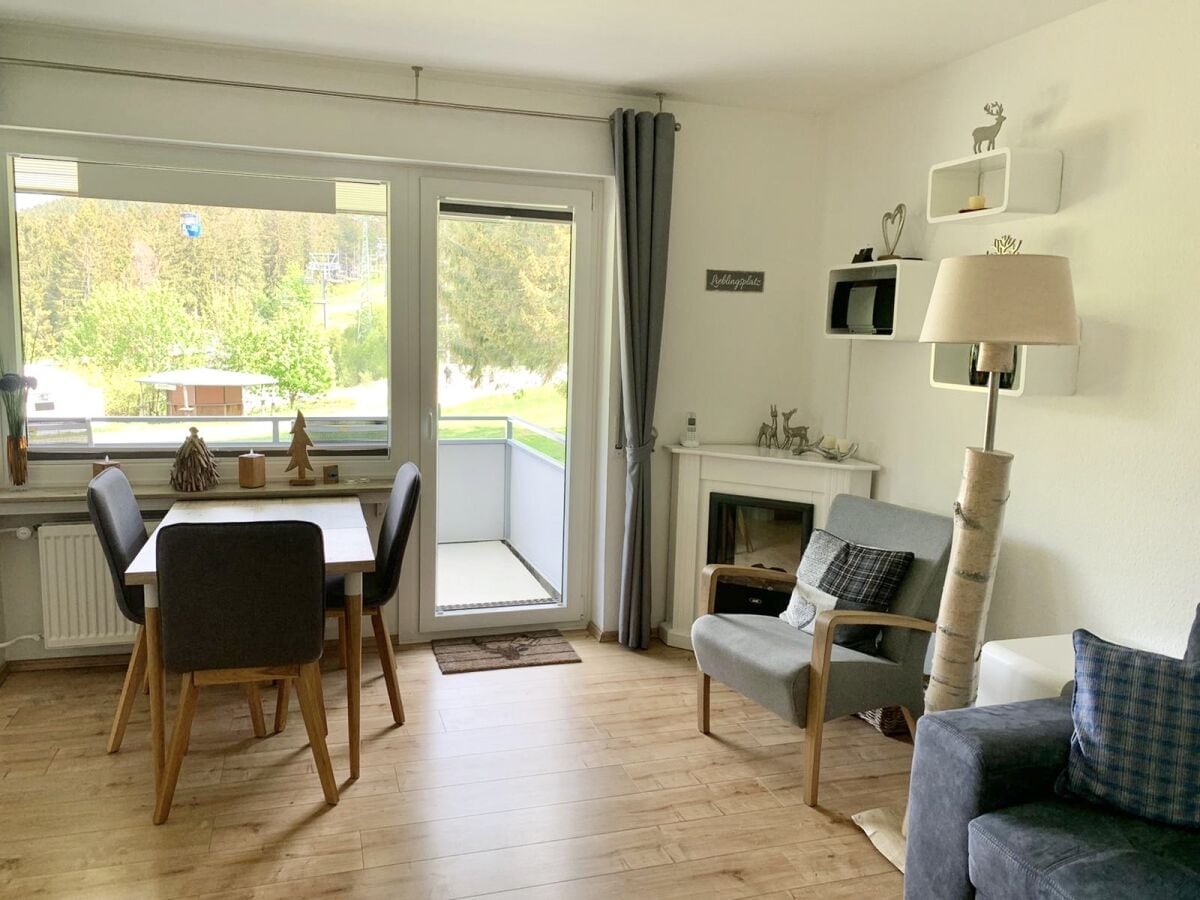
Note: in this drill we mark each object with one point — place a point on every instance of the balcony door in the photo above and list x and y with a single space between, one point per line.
509 305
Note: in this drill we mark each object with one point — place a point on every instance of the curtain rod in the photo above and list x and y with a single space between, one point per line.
315 92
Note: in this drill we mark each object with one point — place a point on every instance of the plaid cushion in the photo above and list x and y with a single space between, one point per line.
1193 647
854 576
864 578
1136 745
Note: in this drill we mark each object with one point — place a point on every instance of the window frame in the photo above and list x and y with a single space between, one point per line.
146 464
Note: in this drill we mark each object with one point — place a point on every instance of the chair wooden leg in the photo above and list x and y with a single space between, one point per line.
812 760
703 690
281 705
146 685
135 677
910 722
320 687
254 697
179 741
387 659
309 691
341 622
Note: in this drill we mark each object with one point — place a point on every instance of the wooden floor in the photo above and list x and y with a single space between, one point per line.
558 782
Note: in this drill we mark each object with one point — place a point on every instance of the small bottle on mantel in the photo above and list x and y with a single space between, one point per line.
689 438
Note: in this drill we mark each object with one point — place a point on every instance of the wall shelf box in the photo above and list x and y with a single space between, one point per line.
1016 181
1041 370
913 287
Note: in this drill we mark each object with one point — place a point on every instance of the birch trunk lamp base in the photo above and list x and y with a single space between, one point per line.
978 520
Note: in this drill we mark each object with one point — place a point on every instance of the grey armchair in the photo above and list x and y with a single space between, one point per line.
808 679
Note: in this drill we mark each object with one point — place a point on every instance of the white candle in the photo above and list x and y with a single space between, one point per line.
844 445
829 441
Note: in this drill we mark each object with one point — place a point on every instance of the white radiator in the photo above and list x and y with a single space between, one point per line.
78 607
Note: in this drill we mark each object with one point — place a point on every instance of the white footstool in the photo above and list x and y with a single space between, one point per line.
1025 669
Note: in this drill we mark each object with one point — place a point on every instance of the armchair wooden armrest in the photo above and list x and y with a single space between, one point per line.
712 575
818 679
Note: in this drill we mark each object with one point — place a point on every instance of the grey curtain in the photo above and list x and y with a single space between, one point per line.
644 159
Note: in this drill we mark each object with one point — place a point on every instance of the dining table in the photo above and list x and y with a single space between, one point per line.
348 553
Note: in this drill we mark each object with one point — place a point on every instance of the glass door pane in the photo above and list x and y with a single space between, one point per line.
504 287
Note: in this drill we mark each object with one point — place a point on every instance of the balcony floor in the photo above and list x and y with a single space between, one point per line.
483 575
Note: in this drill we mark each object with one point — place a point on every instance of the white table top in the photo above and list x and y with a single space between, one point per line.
347 542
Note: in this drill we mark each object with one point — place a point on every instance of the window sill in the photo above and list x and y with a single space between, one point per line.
56 500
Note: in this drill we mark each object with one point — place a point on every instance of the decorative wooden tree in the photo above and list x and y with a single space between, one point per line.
298 452
195 467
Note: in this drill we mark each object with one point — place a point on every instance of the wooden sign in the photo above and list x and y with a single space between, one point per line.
730 280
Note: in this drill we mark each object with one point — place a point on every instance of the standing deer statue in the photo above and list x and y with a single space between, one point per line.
768 435
987 133
789 433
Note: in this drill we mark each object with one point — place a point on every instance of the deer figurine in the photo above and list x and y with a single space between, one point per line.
768 435
789 433
987 133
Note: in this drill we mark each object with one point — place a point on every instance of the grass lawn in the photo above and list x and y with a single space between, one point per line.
544 405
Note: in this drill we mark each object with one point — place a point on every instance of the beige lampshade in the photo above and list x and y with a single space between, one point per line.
1002 299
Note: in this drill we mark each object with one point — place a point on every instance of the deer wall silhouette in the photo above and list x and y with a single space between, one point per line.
987 133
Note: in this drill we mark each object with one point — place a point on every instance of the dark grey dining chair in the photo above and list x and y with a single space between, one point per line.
258 616
380 586
122 533
808 679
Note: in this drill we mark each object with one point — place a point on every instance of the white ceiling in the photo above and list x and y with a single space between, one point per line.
793 54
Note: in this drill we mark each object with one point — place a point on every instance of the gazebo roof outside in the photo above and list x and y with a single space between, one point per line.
205 377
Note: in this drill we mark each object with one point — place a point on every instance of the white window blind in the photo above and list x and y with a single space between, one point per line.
45 176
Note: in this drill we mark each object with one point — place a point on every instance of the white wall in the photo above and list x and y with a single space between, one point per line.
747 185
748 194
1101 527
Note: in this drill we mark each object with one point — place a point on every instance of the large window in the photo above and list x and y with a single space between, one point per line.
156 298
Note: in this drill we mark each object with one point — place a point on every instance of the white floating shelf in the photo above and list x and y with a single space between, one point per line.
1041 370
913 287
1017 182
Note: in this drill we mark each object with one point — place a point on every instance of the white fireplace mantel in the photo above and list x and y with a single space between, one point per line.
747 470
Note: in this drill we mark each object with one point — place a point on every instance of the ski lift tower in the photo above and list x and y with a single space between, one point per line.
325 267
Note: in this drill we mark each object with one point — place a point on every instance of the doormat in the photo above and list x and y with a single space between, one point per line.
503 651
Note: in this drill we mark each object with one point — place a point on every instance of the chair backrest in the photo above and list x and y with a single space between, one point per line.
119 526
241 594
397 525
926 535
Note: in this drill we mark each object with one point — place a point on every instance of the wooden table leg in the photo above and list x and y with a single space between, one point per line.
354 666
158 687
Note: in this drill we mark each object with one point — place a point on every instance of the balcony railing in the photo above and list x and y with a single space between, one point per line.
353 433
501 478
548 443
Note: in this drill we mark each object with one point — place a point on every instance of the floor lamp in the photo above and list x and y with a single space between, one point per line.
998 302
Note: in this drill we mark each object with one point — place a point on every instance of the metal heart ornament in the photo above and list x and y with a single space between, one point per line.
894 219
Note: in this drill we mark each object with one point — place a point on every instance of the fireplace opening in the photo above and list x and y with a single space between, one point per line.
758 532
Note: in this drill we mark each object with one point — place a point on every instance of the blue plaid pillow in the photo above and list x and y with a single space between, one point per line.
1136 745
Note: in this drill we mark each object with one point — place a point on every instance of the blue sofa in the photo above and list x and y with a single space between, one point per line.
984 821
